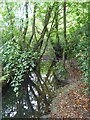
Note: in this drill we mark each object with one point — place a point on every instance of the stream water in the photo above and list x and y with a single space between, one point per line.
29 105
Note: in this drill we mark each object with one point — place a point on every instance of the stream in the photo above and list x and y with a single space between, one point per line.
29 103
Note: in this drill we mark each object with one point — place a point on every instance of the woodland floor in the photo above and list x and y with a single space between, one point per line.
70 100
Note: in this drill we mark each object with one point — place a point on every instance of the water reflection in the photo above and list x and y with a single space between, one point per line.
34 99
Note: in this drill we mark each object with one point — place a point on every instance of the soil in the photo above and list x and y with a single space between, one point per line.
72 100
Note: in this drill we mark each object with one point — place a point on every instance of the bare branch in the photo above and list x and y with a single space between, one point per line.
33 27
26 24
47 37
47 17
10 17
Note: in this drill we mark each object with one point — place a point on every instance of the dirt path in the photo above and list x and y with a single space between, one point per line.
70 100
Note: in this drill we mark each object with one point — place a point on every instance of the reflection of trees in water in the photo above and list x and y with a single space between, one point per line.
35 94
29 88
36 88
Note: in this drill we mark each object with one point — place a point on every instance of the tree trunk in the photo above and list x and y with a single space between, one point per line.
65 40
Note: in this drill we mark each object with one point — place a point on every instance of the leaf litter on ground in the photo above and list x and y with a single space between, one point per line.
71 100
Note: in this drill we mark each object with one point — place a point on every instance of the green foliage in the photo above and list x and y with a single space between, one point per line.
17 57
61 71
81 54
16 62
2 78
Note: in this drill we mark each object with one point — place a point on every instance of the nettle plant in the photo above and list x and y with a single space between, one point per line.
15 62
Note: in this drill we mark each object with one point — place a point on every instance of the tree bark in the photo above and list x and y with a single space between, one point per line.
48 36
65 40
33 27
47 17
26 24
10 17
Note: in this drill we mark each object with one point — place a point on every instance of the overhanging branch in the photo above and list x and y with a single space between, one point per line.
47 17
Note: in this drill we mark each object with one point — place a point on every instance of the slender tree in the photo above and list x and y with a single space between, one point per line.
65 40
